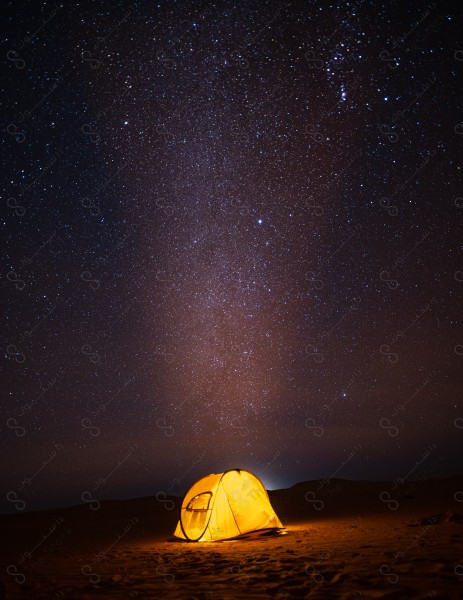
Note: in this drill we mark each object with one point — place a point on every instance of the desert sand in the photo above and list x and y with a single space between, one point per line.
343 540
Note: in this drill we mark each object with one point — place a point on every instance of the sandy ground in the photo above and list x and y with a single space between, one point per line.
344 540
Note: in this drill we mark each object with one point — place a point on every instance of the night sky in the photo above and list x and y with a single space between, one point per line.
232 238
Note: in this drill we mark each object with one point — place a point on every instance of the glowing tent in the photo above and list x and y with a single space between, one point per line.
224 506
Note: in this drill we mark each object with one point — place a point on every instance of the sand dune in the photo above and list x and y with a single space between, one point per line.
344 540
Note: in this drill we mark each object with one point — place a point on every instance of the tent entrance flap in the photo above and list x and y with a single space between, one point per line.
200 502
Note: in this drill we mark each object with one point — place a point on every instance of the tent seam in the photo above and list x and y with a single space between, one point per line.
231 509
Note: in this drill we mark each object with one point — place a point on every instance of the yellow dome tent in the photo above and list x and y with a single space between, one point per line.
226 505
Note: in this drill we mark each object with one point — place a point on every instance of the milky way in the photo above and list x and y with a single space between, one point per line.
232 240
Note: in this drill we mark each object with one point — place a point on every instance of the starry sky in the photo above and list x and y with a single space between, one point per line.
232 238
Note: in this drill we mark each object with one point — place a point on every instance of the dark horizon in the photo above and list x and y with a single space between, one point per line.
160 498
232 239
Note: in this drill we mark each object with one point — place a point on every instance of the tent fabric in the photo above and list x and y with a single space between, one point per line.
225 505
